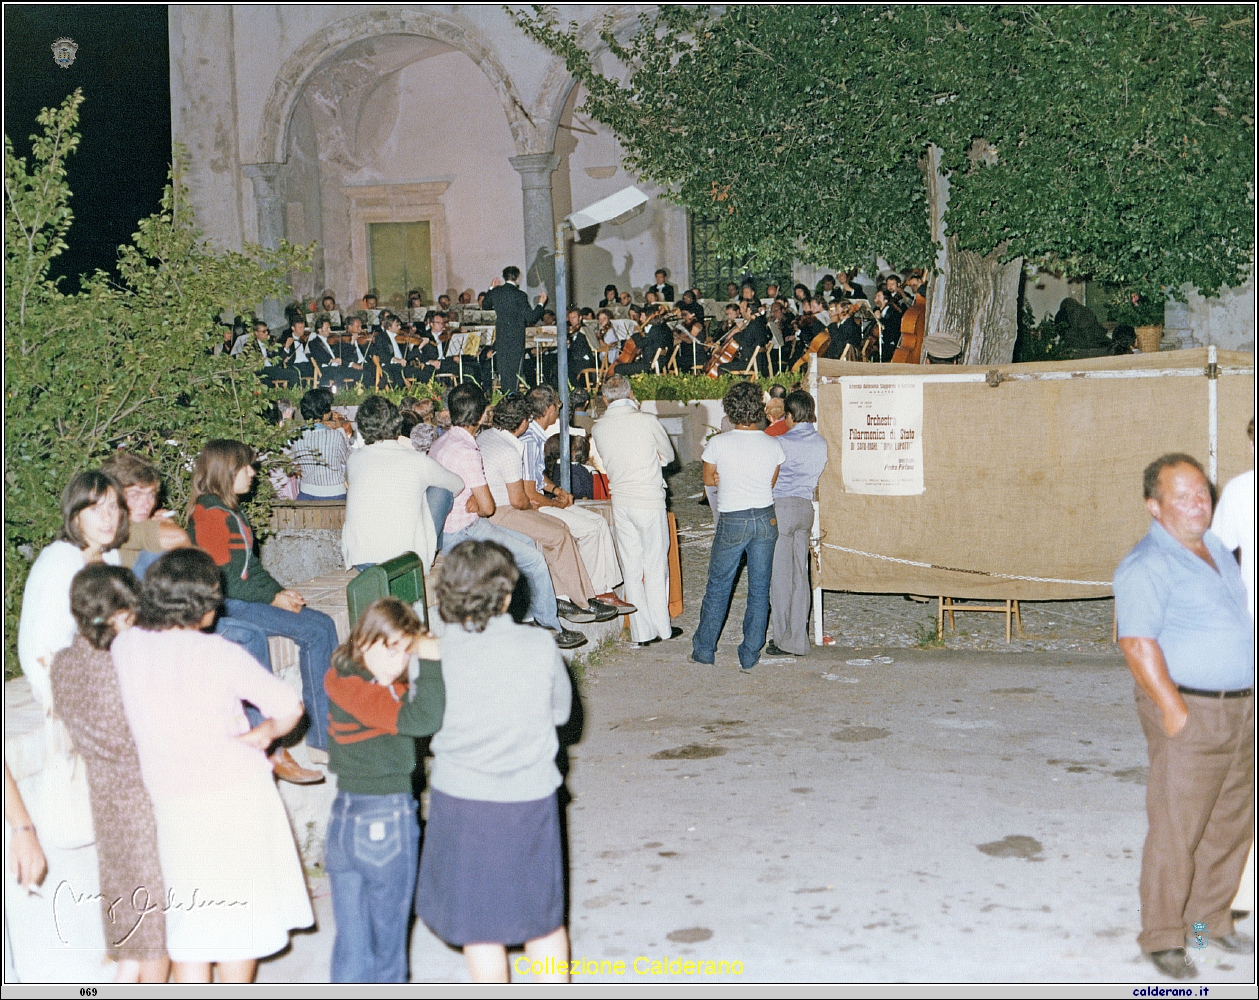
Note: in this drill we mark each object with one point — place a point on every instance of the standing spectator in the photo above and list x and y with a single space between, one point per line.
397 496
1234 524
94 526
222 831
743 463
511 305
790 596
224 471
635 448
492 871
469 517
322 450
376 718
104 600
1189 642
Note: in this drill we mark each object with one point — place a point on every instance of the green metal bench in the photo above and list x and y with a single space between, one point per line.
401 577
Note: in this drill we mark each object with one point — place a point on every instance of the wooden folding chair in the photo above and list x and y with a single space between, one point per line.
751 368
671 366
655 361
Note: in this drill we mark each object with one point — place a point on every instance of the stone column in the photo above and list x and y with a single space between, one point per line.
264 177
535 171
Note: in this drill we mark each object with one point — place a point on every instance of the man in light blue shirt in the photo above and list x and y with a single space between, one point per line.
790 596
1186 634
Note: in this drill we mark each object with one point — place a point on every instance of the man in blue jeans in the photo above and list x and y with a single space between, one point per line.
745 462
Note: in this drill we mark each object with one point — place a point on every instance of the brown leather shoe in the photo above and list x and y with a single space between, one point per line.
611 599
287 769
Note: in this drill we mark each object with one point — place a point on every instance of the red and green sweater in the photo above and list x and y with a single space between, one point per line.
373 726
227 537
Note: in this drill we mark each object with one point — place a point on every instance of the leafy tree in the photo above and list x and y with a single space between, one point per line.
1113 142
127 364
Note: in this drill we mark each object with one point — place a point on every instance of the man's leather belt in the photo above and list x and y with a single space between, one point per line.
1240 693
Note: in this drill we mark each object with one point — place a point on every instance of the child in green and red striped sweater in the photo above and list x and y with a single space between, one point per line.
374 716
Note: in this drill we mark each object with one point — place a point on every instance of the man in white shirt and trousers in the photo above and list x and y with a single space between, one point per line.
635 448
1234 524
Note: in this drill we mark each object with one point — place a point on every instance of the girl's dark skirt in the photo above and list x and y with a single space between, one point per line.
491 872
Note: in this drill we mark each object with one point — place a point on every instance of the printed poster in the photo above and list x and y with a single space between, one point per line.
882 444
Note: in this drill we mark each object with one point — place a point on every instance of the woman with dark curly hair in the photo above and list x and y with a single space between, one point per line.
491 872
743 464
223 836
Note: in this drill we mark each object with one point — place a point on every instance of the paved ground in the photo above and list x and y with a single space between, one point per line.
929 815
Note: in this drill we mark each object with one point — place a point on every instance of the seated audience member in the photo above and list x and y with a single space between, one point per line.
152 531
776 411
469 517
223 472
581 477
322 450
594 538
501 454
422 438
394 502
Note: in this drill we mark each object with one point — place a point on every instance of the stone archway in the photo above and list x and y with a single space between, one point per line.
327 42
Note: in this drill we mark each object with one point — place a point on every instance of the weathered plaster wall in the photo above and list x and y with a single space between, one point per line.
1226 320
203 116
627 255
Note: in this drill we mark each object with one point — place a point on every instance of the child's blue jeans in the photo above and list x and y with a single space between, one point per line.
372 855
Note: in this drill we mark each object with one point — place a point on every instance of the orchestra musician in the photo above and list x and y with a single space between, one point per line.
654 335
889 316
296 354
662 288
692 354
394 350
846 332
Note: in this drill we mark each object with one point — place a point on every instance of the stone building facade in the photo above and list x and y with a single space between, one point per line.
319 122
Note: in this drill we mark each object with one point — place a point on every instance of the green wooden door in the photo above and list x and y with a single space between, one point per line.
400 259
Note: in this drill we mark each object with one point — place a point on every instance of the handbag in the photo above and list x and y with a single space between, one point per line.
65 803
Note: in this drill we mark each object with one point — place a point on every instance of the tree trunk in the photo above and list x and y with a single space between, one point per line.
974 299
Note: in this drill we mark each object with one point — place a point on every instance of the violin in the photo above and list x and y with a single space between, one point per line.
364 337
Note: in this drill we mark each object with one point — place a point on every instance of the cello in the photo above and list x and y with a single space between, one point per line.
724 353
913 327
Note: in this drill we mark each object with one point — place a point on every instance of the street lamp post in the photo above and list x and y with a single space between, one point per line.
620 207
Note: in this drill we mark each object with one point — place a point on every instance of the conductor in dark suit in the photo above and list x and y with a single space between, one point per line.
513 314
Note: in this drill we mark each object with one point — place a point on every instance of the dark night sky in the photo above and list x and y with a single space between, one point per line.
123 67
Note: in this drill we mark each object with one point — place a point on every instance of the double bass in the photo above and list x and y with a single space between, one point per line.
913 328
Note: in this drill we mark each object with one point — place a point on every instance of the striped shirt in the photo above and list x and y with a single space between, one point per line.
534 440
321 453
